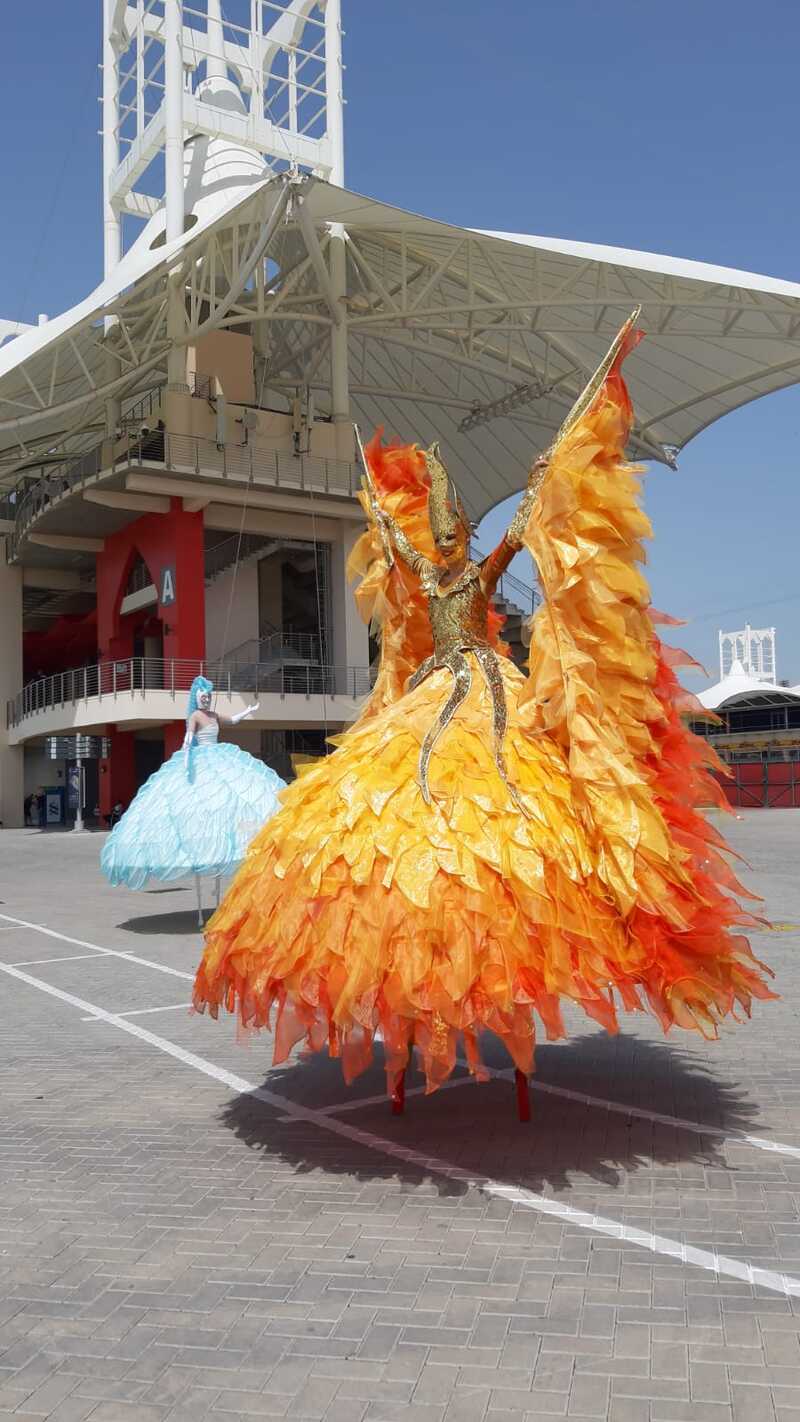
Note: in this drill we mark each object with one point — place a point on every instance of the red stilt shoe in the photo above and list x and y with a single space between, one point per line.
523 1095
399 1094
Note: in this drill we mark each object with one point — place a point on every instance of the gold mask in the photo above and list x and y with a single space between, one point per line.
446 512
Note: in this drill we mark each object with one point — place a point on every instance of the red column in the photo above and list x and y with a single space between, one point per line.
172 546
117 778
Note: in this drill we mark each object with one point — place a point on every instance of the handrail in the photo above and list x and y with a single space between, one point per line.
277 646
140 675
187 454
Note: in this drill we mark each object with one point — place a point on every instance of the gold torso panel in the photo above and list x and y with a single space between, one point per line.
459 614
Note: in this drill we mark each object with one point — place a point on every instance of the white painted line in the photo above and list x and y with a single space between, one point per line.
107 952
144 1011
719 1264
697 1127
70 958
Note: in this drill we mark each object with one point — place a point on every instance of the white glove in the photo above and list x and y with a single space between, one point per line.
240 715
187 746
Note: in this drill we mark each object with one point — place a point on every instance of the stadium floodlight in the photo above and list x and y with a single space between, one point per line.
505 405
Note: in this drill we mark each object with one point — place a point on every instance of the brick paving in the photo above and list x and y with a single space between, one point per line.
172 1249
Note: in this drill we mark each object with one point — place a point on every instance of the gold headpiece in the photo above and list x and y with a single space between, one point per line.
445 510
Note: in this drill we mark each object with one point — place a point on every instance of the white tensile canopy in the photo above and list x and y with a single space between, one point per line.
481 340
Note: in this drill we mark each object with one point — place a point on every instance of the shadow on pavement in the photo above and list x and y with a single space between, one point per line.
185 922
568 1145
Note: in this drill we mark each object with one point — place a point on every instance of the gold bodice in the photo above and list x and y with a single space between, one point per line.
459 614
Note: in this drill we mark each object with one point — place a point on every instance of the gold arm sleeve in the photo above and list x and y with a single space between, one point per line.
516 529
405 549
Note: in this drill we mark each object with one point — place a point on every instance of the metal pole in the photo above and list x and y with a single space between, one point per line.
340 389
112 220
333 89
173 172
79 825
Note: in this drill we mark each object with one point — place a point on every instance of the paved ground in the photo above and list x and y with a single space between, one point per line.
176 1245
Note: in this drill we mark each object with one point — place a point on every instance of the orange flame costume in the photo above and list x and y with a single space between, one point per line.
483 844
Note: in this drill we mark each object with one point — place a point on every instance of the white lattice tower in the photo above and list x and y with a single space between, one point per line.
753 648
263 76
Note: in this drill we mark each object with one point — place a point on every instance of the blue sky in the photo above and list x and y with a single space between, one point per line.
667 128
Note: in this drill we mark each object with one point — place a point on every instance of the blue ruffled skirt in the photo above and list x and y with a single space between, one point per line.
200 823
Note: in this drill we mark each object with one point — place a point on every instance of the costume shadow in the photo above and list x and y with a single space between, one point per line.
567 1144
172 923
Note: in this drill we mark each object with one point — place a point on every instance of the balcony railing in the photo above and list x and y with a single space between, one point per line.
184 454
140 675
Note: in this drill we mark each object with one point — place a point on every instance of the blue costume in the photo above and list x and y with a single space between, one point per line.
196 814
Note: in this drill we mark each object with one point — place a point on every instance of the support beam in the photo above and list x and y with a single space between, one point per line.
272 522
173 175
53 579
112 220
133 503
112 223
253 498
333 299
66 543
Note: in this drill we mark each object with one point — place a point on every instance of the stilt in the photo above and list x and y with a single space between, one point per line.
399 1094
523 1095
218 884
199 901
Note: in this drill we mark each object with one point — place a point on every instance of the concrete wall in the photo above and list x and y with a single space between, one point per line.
188 415
243 624
350 634
228 356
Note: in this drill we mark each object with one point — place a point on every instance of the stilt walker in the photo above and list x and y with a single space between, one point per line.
484 844
197 814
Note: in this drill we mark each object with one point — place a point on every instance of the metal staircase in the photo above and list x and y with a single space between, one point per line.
222 556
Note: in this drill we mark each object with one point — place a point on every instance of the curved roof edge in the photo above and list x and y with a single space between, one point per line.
651 261
740 689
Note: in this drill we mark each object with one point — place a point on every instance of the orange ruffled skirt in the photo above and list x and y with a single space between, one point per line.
359 907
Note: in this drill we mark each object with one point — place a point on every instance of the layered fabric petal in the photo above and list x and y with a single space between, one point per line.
603 686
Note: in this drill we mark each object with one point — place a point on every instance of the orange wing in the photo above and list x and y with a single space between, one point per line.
600 680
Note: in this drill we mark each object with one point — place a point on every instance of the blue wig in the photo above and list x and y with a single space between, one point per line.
200 683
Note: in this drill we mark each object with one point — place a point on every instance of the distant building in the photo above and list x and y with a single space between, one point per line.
753 648
757 735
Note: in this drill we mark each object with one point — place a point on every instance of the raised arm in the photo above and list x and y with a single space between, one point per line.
240 715
493 566
403 547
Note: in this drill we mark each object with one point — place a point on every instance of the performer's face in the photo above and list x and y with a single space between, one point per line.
452 547
203 700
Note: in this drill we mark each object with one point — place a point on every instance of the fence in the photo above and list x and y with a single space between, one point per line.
143 674
765 785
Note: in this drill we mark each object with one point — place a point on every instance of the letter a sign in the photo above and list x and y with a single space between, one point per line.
167 594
